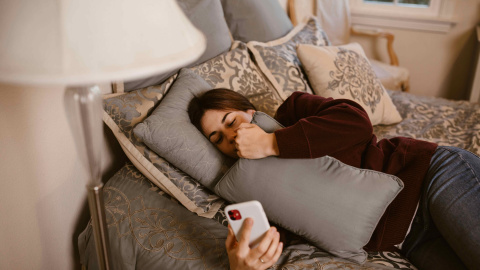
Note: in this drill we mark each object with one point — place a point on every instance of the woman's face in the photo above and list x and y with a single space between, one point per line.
220 128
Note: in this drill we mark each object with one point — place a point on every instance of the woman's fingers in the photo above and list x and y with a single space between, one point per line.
245 125
252 142
277 254
269 255
267 247
231 241
262 257
245 235
267 240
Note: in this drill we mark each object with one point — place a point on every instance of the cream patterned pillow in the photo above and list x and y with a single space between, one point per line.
345 72
278 59
236 71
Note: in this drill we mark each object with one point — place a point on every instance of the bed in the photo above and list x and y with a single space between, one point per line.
160 217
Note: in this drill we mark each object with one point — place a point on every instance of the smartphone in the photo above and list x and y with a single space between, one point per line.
237 213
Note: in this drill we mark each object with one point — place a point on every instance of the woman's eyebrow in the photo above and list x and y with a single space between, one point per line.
225 117
223 121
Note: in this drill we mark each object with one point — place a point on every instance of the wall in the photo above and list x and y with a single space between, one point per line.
43 204
440 64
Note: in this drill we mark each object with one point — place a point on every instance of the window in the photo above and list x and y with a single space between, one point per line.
430 8
423 15
402 2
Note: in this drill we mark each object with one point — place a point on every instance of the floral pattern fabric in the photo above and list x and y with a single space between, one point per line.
446 122
278 59
344 72
236 71
353 75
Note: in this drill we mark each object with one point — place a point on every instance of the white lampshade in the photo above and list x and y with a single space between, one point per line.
90 41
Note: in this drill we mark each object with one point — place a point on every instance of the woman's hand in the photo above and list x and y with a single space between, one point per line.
261 257
254 143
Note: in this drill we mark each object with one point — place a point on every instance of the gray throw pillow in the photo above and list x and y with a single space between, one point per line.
169 132
262 21
207 16
333 205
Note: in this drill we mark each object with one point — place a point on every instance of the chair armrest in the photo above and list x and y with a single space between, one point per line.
379 33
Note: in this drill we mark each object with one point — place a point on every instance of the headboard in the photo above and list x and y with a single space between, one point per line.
213 29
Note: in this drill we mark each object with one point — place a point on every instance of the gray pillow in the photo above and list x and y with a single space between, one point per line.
169 132
334 206
263 20
264 121
207 16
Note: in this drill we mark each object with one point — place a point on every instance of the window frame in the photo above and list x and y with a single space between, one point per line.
437 18
383 8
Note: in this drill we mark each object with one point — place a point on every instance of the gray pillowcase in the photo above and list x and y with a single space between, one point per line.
207 16
264 121
169 132
333 205
259 20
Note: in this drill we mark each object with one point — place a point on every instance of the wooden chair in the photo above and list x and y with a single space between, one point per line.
334 16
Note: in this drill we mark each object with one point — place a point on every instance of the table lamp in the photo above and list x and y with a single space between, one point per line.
80 43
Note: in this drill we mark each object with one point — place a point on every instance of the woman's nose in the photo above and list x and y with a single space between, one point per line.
231 135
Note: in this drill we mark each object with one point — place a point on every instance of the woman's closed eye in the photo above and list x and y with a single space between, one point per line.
231 124
218 140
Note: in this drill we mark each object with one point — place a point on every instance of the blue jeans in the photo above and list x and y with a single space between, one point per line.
445 232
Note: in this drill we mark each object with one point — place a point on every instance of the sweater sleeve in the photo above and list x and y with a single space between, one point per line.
316 126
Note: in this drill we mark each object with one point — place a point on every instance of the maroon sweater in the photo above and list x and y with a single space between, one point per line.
317 126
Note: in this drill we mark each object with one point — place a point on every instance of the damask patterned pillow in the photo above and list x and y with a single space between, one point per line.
233 70
278 59
345 72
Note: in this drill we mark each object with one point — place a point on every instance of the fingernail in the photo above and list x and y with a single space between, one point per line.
249 221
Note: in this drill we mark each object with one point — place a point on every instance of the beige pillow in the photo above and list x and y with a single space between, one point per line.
345 72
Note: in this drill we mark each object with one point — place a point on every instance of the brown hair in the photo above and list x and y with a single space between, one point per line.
216 99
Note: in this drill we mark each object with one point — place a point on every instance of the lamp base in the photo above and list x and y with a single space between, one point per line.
83 105
99 221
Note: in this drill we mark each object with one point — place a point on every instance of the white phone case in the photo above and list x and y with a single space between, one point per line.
252 209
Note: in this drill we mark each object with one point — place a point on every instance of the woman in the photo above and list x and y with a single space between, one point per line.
445 233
